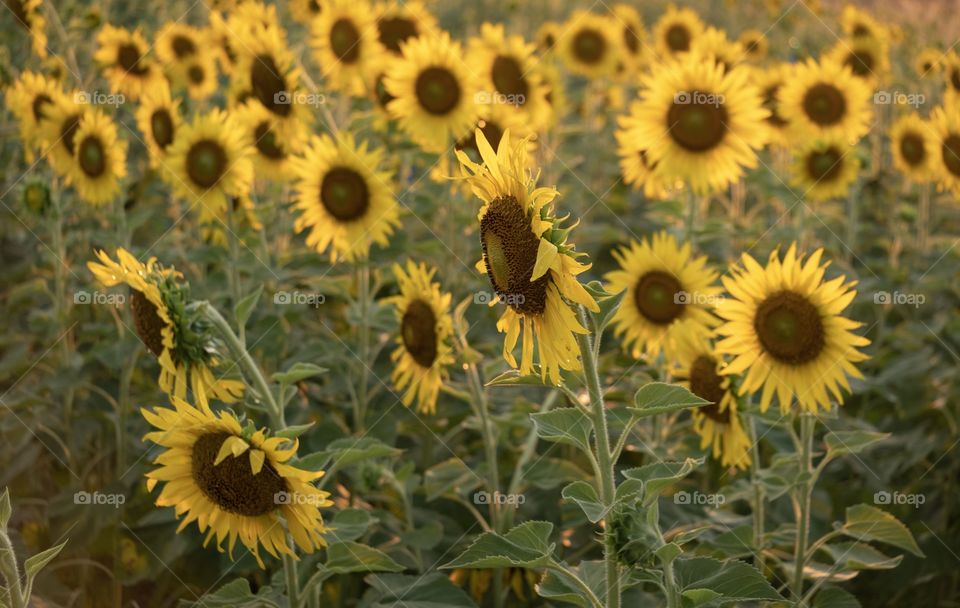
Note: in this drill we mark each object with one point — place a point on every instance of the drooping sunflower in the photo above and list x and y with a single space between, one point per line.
181 343
26 13
423 349
633 35
434 92
867 58
235 482
824 168
30 99
273 159
526 256
676 30
699 123
928 62
945 151
305 11
669 292
398 22
99 159
912 147
343 198
122 54
635 165
718 424
343 39
784 329
754 44
58 131
510 76
158 118
210 161
825 98
769 81
588 46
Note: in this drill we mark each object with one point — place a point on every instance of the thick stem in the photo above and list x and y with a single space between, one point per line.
8 566
804 492
670 585
602 445
758 496
594 600
293 585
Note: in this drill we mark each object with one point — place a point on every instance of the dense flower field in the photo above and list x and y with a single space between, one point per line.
441 304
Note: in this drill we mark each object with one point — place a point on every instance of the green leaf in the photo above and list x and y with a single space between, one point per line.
426 537
297 372
350 524
860 556
5 509
349 556
585 495
560 587
432 590
668 552
704 579
513 378
449 477
567 425
608 308
661 398
244 308
344 452
548 473
865 522
850 442
525 546
292 432
235 594
835 597
659 475
35 563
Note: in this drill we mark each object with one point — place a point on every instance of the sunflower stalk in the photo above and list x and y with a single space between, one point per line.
758 495
233 276
802 503
13 595
363 295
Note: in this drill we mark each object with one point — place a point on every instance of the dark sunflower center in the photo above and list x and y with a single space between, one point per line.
955 79
129 58
861 62
770 103
394 30
147 322
269 85
508 79
418 329
161 125
824 104
631 40
267 142
678 38
68 131
951 154
314 7
206 163
39 103
195 74
92 156
345 40
438 90
789 328
344 194
926 67
19 12
183 47
510 253
383 95
752 46
912 149
707 384
824 165
656 297
549 41
231 485
490 130
589 46
698 125
861 30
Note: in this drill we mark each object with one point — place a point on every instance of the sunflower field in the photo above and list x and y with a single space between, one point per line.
491 304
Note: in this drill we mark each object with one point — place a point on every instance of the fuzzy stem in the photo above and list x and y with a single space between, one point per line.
804 492
8 566
758 496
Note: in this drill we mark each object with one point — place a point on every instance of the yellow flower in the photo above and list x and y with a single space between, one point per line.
825 99
633 43
929 62
945 157
30 99
26 14
754 44
587 46
398 22
158 118
635 164
122 54
913 146
274 155
824 168
344 43
57 131
675 31
867 58
99 159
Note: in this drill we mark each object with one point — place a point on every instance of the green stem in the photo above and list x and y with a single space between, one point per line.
670 585
233 275
758 497
923 218
8 565
594 600
602 445
804 492
363 288
293 585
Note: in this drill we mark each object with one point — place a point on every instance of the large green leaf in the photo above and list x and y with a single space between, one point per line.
865 522
525 546
859 556
659 475
237 594
835 597
350 524
705 580
347 451
297 372
560 587
567 425
585 495
246 305
851 442
432 590
661 398
349 556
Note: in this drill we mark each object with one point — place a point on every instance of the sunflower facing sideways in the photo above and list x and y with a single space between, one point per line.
867 58
825 98
158 300
344 41
785 333
99 159
526 256
588 46
26 14
635 166
912 147
58 131
675 31
210 162
345 201
158 118
824 168
633 43
235 482
122 54
423 349
669 292
699 123
273 158
945 122
434 92
30 99
951 76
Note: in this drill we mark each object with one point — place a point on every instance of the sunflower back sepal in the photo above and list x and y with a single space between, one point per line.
662 398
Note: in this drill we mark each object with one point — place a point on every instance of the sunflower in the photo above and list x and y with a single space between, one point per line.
27 15
305 11
234 481
177 42
769 81
784 330
210 162
30 99
912 147
637 169
158 118
676 31
343 42
587 45
825 98
531 266
669 292
867 58
928 62
398 22
122 54
718 424
244 218
633 36
824 168
273 159
199 77
547 35
858 23
945 148
510 76
346 202
99 159
754 44
699 123
714 44
158 301
951 75
58 130
434 92
423 349
220 32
